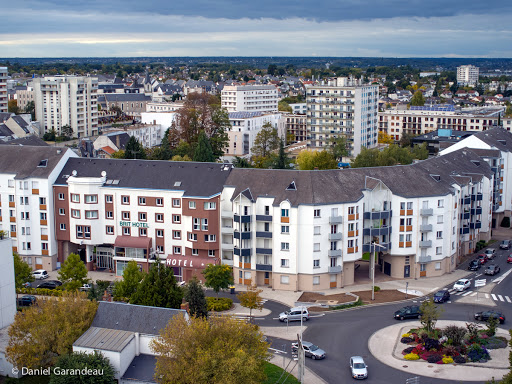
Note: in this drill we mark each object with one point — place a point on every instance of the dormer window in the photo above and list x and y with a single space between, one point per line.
436 177
292 187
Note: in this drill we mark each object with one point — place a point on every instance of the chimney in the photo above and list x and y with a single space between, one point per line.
117 142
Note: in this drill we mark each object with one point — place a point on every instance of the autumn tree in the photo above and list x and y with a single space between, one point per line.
132 277
251 299
22 272
216 350
73 272
266 141
80 360
309 160
418 99
158 288
218 277
194 295
43 332
12 106
384 138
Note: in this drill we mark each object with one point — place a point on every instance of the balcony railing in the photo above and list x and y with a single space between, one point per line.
264 251
335 236
424 259
426 228
426 212
263 267
335 269
335 219
243 235
464 230
368 247
242 218
377 231
226 214
263 217
464 215
476 211
226 230
264 234
334 252
475 225
376 215
242 251
425 243
477 197
466 200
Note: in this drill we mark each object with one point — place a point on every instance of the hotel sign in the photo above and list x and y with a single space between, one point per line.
133 224
188 261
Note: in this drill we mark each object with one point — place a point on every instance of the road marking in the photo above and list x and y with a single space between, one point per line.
486 295
502 277
493 296
480 274
467 293
319 315
508 299
277 350
500 297
474 294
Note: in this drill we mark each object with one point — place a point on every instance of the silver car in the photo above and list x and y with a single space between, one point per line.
310 350
358 367
294 314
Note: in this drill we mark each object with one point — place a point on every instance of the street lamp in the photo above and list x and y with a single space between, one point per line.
372 266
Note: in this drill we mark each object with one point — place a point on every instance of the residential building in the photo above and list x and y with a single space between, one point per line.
250 98
26 198
342 106
164 106
165 119
299 108
3 89
467 75
22 126
24 95
67 100
294 127
132 104
105 145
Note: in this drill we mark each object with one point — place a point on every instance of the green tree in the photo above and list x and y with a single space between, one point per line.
194 295
338 147
430 313
420 152
241 162
22 272
82 360
283 161
158 288
66 131
12 106
218 277
283 106
132 277
309 160
203 151
266 141
418 99
251 299
134 150
271 70
31 108
216 350
43 332
73 272
366 158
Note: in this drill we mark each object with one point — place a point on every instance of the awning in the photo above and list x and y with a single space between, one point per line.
133 242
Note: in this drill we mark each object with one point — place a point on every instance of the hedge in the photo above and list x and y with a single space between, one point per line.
40 291
218 304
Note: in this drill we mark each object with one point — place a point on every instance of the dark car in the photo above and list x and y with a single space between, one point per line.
485 315
492 269
441 296
474 265
49 285
483 258
409 312
26 301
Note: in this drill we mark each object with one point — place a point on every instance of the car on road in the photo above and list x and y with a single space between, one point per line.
409 312
461 285
358 368
505 244
310 350
50 284
490 253
492 269
474 265
509 259
485 315
483 258
441 296
26 301
294 314
40 274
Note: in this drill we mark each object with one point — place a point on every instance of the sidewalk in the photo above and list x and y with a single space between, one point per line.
309 376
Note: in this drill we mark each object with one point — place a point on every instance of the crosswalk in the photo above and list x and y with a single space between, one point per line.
498 298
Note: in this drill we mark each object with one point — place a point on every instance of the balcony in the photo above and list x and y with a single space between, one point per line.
264 251
263 218
376 215
464 230
424 259
476 211
426 228
226 230
267 235
368 247
264 267
475 225
227 214
242 251
335 269
227 246
426 212
464 216
335 219
477 197
243 235
334 252
335 236
466 200
425 244
242 218
377 231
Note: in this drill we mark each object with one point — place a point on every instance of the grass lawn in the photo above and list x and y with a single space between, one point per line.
273 373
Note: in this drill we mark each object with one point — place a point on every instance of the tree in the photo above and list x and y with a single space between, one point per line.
251 299
73 272
309 160
31 108
338 147
418 99
103 372
158 289
283 106
420 152
283 162
366 158
384 138
134 149
218 277
43 332
429 315
271 70
12 106
203 151
216 350
241 162
194 295
266 141
22 272
66 131
132 277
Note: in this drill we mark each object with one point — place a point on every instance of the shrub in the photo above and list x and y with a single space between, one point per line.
478 353
492 325
376 289
411 356
349 305
450 350
472 330
447 360
459 359
219 304
406 340
505 222
495 342
431 344
434 358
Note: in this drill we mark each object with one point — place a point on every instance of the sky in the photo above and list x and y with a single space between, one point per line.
338 28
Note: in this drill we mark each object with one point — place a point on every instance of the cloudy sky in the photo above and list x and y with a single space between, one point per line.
377 28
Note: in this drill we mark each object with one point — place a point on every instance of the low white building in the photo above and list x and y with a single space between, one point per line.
164 106
165 119
250 98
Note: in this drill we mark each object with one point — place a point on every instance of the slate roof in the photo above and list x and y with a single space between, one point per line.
133 318
195 179
123 138
141 369
486 152
30 140
4 116
497 137
21 122
32 156
123 97
104 339
4 131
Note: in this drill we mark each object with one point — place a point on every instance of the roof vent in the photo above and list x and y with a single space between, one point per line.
436 177
177 184
43 163
292 187
109 182
476 162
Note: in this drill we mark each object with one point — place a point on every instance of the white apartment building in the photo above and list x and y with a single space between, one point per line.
26 201
299 108
164 106
245 126
250 98
165 119
3 90
467 75
67 100
342 106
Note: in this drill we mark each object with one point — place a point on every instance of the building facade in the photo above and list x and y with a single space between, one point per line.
294 127
24 95
3 89
250 98
342 106
67 100
467 75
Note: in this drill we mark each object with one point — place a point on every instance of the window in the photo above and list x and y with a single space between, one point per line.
108 199
159 201
160 248
196 225
285 279
192 236
109 230
440 204
423 267
143 232
27 246
453 245
285 263
109 215
91 199
26 216
409 221
159 217
408 237
192 205
316 280
159 233
79 232
285 229
351 210
176 235
62 211
439 250
10 183
195 252
125 200
62 226
334 245
316 230
176 219
211 252
25 231
176 250
440 219
267 227
409 205
210 205
126 231
75 198
142 201
316 213
42 200
285 246
91 214
209 238
316 263
453 230
285 213
439 234
142 216
438 266
11 198
61 196
204 224
126 215
316 247
350 243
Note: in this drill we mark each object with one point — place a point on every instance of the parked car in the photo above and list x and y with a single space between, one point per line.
85 287
490 253
49 285
474 265
310 350
358 367
461 285
505 244
409 312
509 259
492 269
27 285
295 314
26 301
40 274
483 258
485 315
441 296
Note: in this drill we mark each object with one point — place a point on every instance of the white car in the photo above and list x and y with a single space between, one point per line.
40 274
358 367
462 285
490 252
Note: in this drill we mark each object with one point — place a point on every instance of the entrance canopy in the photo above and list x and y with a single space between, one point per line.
133 242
